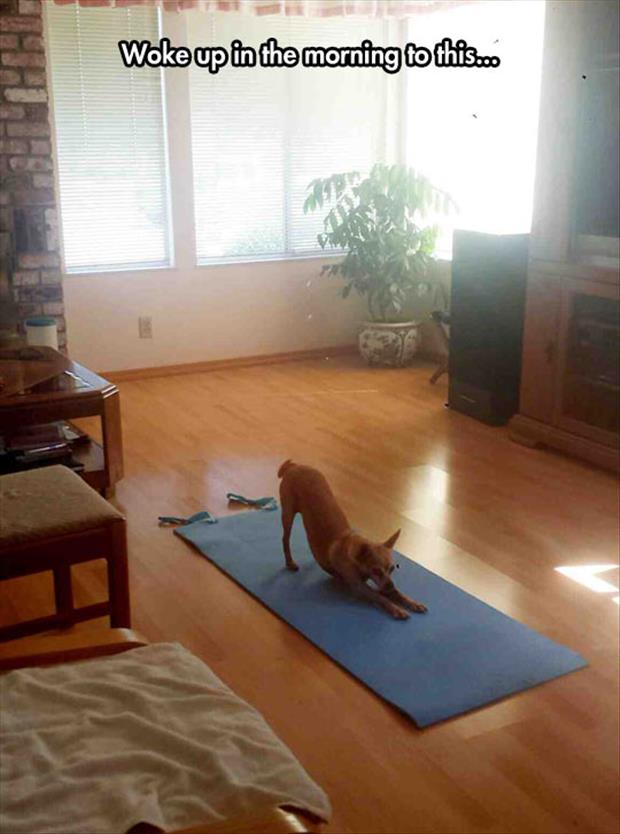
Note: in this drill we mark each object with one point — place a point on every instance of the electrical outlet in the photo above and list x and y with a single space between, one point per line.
145 327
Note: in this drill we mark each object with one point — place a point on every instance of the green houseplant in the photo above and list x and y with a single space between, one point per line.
377 221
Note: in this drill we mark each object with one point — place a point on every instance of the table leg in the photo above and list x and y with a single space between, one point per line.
112 440
441 369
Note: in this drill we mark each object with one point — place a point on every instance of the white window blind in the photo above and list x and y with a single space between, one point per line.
110 139
260 135
473 132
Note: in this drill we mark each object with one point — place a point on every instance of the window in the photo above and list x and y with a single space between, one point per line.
260 135
110 140
473 132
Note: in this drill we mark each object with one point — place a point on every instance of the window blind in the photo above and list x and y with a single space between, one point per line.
110 140
260 135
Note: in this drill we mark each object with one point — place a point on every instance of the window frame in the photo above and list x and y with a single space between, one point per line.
181 219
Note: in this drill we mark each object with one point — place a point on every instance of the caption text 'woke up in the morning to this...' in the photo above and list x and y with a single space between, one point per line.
270 55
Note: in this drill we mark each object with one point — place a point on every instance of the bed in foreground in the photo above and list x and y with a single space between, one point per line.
149 735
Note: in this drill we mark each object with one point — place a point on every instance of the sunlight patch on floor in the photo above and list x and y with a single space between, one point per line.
424 481
587 575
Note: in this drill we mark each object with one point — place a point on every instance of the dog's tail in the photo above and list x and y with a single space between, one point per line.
284 467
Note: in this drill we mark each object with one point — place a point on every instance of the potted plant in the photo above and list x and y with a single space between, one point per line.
388 252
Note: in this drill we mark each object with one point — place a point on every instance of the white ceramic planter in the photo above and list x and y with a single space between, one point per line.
389 345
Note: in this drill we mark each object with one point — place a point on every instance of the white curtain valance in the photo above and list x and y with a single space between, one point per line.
304 8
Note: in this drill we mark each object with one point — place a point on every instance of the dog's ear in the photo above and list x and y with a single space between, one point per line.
392 540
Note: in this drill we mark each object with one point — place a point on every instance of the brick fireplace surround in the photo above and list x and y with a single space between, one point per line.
29 251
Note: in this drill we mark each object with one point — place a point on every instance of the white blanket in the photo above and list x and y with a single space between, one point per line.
149 735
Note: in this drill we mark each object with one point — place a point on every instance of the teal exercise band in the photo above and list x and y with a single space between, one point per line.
207 518
261 503
203 515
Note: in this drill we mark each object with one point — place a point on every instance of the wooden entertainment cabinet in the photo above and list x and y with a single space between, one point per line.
570 382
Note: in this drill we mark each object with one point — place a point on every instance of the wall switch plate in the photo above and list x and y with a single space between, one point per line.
145 327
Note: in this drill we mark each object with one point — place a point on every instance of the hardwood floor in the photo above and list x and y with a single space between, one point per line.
491 516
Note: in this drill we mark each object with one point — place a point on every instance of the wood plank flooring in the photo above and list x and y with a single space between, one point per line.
491 516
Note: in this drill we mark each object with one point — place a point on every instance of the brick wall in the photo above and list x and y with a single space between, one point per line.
28 219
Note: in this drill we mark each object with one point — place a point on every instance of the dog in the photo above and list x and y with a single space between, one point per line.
338 550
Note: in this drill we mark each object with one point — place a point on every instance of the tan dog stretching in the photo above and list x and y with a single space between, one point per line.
338 550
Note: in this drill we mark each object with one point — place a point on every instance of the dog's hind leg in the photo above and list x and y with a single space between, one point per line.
288 515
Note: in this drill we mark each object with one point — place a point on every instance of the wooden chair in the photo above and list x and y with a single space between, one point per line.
74 646
50 519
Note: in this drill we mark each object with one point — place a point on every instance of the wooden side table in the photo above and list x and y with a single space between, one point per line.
73 393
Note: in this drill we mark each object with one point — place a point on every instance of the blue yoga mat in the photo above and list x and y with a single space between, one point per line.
461 655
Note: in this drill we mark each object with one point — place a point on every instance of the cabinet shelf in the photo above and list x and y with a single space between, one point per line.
590 380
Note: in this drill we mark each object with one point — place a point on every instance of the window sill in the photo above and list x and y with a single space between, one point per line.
107 270
251 259
206 264
259 259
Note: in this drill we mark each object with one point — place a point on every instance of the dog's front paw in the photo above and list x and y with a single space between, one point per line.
292 566
398 613
414 606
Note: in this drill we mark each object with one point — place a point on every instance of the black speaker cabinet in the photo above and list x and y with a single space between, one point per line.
486 324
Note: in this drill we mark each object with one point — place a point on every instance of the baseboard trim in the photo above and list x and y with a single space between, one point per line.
532 433
226 364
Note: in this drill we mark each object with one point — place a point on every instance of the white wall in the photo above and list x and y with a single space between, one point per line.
205 313
218 312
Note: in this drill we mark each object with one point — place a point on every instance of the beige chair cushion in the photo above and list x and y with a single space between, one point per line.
51 501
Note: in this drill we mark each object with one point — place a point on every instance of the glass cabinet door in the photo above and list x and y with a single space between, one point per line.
589 381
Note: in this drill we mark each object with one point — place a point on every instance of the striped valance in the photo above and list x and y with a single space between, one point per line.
305 8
